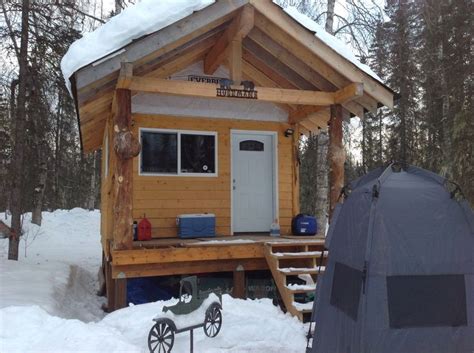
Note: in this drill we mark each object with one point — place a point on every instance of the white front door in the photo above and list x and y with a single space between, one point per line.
252 182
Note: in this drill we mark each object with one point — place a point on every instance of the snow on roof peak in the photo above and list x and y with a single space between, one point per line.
334 43
146 17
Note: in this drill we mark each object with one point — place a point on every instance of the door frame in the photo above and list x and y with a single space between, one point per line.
274 135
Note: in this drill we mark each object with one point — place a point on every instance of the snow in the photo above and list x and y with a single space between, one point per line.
302 269
305 253
334 43
48 301
145 17
294 286
303 306
234 241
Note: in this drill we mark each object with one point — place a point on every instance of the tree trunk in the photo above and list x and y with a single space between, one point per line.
118 6
445 118
380 149
18 150
330 16
322 187
336 156
92 191
39 194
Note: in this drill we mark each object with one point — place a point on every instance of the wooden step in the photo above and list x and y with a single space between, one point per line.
300 255
295 271
304 253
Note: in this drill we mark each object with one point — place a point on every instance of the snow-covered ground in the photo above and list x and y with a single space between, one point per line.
48 301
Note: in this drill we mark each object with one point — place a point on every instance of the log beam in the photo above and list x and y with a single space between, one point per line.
235 61
302 113
238 29
125 75
336 156
349 93
344 95
195 89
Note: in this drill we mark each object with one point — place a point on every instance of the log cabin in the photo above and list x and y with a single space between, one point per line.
204 114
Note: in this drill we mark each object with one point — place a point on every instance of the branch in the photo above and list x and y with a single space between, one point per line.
83 13
10 30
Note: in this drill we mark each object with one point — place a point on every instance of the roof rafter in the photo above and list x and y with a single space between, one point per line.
299 67
238 29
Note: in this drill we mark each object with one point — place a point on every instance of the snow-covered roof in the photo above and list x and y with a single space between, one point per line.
334 43
145 17
149 16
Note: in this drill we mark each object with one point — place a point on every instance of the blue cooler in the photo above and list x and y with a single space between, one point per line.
196 225
304 224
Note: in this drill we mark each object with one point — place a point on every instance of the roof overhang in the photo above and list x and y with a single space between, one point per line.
277 53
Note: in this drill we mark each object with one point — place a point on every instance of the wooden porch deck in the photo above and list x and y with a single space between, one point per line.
174 256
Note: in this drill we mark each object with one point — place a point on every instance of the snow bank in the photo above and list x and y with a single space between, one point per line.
334 43
32 329
145 17
48 302
248 326
57 267
68 236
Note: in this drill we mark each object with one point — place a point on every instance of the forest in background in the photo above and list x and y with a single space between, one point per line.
422 49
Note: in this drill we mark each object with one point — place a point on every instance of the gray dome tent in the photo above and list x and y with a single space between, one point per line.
400 273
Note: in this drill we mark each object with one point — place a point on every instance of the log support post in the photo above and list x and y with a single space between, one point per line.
109 286
239 283
126 146
120 292
336 155
123 145
296 169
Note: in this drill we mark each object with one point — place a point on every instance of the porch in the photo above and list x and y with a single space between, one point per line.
286 257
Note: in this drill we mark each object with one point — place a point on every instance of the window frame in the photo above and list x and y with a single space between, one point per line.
106 155
179 133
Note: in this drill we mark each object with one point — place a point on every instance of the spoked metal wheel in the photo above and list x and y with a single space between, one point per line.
213 321
161 337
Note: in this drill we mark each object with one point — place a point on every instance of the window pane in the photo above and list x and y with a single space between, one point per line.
159 152
251 145
426 301
346 288
198 153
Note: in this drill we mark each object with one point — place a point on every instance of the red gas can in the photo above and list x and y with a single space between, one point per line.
144 229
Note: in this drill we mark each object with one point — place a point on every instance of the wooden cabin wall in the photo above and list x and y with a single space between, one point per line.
162 198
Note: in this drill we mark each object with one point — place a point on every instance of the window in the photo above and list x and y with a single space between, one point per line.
197 154
167 152
346 288
251 145
159 152
426 301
